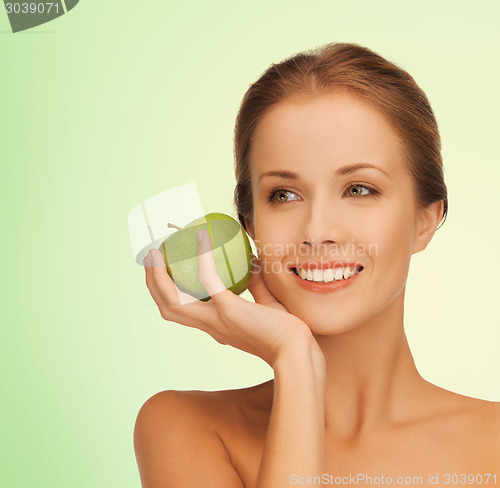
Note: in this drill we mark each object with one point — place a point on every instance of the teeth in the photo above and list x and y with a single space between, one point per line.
317 274
327 275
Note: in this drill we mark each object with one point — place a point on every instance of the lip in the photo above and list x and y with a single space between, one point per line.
331 286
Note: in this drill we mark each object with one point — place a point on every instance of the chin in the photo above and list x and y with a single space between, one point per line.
324 323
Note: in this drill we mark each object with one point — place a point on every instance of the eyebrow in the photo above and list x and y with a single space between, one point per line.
344 170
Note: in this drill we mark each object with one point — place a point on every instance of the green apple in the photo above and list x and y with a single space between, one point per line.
231 250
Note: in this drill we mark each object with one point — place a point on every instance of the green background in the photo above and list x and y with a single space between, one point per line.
117 101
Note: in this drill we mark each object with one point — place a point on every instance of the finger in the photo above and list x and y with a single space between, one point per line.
164 291
187 310
162 275
159 281
226 303
162 288
150 282
209 277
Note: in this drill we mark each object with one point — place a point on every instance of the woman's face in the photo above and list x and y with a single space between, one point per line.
331 189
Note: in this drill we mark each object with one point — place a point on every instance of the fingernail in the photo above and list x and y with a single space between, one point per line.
199 235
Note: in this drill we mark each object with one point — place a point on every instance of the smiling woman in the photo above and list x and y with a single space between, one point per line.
339 182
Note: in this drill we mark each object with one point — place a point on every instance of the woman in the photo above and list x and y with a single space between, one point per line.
339 183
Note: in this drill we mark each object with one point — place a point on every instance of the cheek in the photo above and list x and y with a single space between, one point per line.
271 237
275 241
387 226
390 241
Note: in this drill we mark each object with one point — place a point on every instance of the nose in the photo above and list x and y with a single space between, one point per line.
321 224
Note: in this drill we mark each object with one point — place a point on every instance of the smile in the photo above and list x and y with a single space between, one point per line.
326 277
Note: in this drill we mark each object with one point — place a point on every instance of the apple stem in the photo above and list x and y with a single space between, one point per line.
174 226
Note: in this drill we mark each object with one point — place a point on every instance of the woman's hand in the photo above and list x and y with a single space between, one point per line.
263 328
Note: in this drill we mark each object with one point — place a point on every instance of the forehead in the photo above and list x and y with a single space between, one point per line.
326 131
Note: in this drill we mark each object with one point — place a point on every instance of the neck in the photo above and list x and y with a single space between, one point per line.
372 380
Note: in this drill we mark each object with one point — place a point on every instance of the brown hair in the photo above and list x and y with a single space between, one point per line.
360 71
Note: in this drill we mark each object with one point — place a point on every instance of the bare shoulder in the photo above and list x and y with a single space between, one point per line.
475 423
175 410
210 409
486 432
488 415
481 415
176 444
179 437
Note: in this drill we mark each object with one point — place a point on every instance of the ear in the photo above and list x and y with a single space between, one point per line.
250 229
427 223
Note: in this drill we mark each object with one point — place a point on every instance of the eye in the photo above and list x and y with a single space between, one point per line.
281 195
357 190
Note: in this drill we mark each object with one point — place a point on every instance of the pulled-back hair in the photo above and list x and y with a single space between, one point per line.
362 72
